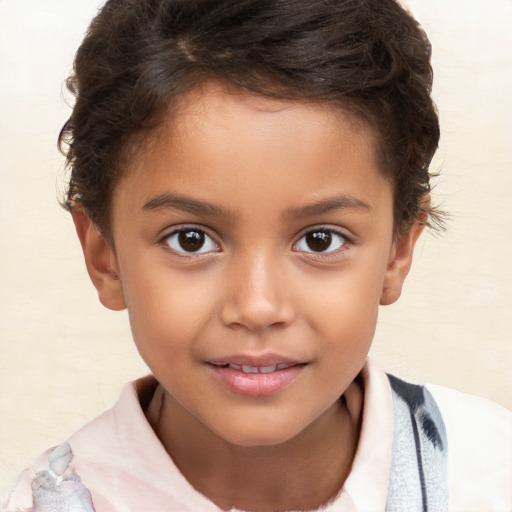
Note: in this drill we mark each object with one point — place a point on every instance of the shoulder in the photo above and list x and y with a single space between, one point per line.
118 460
67 472
479 434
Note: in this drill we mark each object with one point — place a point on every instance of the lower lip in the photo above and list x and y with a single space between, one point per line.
257 384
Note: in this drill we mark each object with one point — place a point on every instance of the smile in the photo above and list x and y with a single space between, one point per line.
254 369
256 377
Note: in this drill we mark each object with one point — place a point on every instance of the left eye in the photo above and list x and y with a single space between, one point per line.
321 241
190 241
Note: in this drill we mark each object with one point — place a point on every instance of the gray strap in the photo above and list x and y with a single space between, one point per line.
419 463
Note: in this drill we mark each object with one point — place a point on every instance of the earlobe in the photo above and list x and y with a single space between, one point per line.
400 263
100 261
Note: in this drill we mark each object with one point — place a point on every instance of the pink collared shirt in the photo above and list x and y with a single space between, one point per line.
123 464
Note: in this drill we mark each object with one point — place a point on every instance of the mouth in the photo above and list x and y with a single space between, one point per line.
255 369
256 376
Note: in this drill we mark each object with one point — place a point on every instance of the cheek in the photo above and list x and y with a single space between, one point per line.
348 298
343 308
347 322
167 309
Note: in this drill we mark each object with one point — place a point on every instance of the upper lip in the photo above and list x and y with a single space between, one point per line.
263 360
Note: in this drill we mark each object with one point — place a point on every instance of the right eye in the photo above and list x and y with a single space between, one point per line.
190 241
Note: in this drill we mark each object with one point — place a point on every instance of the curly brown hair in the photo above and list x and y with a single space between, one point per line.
368 56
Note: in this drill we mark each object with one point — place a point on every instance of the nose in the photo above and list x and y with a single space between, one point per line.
256 295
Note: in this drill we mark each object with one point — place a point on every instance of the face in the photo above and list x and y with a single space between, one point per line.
253 243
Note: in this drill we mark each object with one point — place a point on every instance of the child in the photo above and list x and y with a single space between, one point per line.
249 180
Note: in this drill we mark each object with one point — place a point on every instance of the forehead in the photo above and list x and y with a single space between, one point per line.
230 144
228 105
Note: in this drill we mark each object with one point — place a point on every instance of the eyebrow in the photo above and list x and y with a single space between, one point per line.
197 207
187 204
342 202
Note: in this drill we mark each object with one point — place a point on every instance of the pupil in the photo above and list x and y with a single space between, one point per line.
191 241
319 241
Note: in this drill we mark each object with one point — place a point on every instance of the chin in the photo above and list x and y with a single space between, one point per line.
259 433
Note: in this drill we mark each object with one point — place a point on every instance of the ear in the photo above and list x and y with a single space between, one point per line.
400 262
100 260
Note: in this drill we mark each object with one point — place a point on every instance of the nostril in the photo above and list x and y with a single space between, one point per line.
256 316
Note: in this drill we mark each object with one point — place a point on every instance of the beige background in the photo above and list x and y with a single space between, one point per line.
63 358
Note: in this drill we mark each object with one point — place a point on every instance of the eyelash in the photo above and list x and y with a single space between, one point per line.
182 230
205 238
343 240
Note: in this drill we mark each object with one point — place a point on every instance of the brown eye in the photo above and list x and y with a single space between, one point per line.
321 241
189 240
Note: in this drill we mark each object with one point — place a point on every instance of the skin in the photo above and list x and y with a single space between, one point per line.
274 171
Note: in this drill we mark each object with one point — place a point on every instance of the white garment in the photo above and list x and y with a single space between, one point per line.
121 461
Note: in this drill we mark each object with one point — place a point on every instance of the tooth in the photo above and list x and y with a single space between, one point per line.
267 369
283 366
235 366
249 369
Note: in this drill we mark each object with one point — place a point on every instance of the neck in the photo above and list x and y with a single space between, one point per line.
302 473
